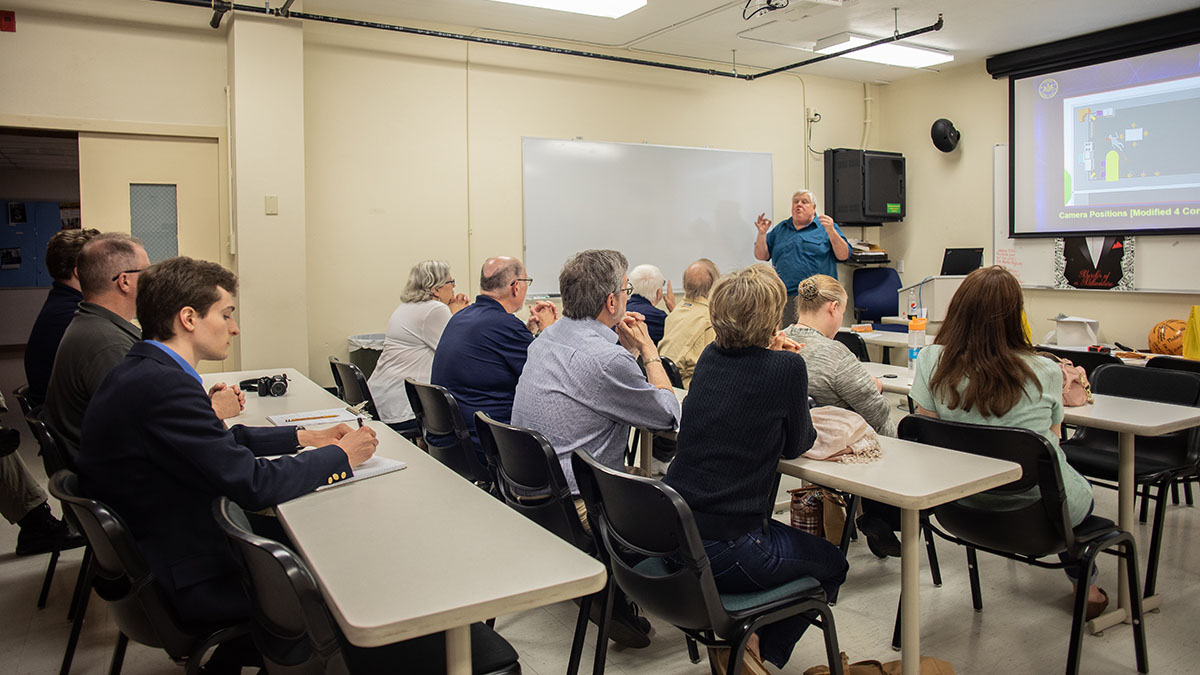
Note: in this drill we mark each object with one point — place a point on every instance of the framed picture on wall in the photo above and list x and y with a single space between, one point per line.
16 213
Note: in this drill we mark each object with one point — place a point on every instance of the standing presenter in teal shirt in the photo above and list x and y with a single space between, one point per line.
801 246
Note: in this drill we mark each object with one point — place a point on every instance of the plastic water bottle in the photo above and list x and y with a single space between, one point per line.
916 341
912 303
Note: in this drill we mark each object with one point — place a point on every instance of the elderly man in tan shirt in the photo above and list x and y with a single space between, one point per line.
689 329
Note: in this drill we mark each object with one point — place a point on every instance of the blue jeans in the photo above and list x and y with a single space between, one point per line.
760 560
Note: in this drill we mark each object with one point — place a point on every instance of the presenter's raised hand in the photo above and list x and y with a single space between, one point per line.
782 343
826 221
358 445
763 223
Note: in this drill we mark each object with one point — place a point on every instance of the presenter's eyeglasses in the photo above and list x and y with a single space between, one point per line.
118 274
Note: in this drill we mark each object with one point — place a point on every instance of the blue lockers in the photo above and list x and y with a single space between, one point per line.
23 245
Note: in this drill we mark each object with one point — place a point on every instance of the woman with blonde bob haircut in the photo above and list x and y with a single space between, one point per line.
982 369
413 333
747 407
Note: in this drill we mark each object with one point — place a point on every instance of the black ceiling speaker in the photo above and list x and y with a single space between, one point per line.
945 136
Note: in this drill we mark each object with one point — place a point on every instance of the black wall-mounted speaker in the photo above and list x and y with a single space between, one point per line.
945 136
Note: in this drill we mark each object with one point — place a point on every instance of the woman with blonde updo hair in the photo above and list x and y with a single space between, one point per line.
836 377
413 333
746 408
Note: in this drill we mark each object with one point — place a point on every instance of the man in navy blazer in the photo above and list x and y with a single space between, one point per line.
153 450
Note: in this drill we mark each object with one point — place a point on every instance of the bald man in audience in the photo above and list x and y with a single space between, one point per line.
649 289
482 351
689 329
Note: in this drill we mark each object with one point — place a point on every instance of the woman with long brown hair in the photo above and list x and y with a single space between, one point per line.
982 369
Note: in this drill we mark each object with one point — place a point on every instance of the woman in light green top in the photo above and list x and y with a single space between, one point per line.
982 370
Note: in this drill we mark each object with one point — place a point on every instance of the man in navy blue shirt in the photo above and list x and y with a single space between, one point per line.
482 351
801 246
56 314
648 290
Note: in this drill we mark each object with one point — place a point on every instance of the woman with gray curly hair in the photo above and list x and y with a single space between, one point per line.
413 334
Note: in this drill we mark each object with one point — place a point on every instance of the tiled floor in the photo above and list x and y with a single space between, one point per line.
1023 628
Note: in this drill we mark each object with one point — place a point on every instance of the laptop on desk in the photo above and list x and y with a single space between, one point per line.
961 261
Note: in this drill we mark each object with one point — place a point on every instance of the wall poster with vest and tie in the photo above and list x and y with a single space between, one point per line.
1104 263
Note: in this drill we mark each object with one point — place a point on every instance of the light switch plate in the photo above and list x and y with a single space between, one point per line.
272 205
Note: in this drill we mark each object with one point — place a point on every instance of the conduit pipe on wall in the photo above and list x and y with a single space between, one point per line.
219 8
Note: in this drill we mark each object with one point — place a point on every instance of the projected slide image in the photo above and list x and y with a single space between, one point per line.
1133 146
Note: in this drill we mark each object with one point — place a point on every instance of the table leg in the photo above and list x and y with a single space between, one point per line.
910 591
647 449
458 651
1125 520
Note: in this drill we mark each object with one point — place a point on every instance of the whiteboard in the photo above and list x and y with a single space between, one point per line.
657 204
1165 264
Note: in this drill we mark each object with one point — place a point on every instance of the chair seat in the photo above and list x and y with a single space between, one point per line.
1093 526
737 603
1101 462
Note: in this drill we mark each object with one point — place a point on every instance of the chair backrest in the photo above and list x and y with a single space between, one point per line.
672 372
1151 384
1174 363
530 478
649 540
54 458
21 393
855 342
1089 361
444 431
876 293
294 632
1040 528
135 602
352 385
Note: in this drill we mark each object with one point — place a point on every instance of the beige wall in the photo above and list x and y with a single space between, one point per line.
950 198
413 151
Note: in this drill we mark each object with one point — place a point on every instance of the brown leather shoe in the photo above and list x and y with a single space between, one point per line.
1095 609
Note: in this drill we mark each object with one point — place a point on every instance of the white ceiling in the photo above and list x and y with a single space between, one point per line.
709 30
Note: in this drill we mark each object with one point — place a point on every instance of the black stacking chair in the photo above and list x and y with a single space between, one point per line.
640 523
21 393
1089 361
530 480
120 576
1190 366
445 432
855 343
295 634
1158 461
677 382
1031 533
672 372
352 385
55 460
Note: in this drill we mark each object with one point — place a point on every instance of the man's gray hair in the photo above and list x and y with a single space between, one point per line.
811 197
103 257
587 279
646 280
425 277
500 278
698 279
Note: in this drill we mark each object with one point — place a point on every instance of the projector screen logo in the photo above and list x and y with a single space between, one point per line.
1048 88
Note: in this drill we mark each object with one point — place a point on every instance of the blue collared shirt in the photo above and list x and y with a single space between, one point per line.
583 390
187 367
799 254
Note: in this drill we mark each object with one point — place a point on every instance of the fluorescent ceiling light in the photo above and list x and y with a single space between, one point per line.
892 53
612 9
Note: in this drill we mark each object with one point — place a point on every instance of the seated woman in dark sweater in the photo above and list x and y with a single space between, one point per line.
746 408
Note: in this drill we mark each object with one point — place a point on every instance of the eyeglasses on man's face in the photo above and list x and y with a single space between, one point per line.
528 281
628 289
118 274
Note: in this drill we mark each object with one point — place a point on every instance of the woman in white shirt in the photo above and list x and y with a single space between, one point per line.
412 336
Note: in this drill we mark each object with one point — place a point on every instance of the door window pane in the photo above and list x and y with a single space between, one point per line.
154 218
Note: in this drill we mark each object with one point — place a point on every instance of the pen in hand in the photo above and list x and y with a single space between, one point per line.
360 422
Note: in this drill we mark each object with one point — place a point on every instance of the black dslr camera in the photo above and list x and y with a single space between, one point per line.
267 385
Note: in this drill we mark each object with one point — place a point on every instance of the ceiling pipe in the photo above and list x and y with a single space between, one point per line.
219 8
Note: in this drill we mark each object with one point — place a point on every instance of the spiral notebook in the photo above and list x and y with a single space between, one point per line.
376 466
